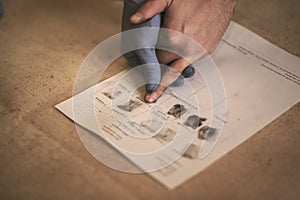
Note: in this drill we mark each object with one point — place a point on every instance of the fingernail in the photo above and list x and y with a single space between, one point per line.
147 98
153 97
136 18
150 100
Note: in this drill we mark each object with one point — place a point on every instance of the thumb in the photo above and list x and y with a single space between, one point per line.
149 9
171 75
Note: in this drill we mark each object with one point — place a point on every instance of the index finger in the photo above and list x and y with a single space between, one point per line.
170 76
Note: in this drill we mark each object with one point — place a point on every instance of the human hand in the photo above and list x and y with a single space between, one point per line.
205 21
146 56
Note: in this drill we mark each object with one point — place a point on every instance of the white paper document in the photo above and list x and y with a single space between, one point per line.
261 82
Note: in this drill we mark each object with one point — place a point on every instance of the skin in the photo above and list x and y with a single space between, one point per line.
203 20
147 56
151 71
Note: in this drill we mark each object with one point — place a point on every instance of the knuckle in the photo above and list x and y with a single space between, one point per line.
173 39
210 50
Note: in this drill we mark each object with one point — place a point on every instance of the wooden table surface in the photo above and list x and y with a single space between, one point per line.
42 44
